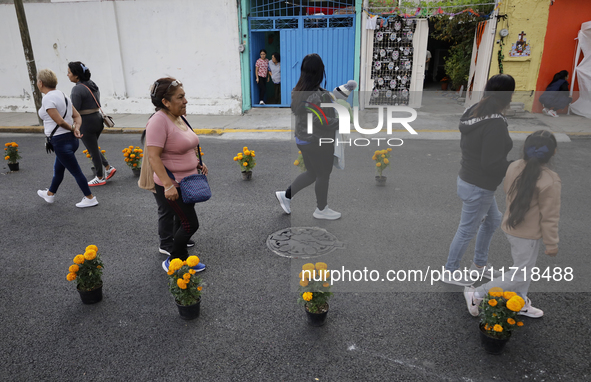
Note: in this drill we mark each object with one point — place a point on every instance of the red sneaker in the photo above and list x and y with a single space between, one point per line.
110 172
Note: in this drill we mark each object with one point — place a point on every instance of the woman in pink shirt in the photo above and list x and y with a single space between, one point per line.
262 72
171 145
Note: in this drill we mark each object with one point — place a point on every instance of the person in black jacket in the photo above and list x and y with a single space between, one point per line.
318 157
556 95
86 99
485 143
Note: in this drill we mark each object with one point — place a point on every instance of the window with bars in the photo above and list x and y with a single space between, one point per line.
283 8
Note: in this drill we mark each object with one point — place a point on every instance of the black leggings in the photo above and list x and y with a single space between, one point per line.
91 129
262 88
319 162
188 219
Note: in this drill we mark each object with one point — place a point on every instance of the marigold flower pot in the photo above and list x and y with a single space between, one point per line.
246 175
136 171
444 85
316 319
13 166
381 180
92 296
189 312
490 344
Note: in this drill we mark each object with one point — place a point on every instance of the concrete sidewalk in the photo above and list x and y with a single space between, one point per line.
436 119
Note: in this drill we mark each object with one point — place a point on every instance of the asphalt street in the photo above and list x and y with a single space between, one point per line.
251 328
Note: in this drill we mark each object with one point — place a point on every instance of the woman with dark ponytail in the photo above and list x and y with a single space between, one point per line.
532 215
86 99
485 143
318 156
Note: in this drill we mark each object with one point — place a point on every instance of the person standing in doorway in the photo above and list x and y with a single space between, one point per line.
275 73
262 71
86 99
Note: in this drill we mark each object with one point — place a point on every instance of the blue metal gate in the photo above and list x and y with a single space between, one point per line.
332 37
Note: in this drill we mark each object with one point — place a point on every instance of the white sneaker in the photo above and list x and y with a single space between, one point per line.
545 111
471 301
530 311
87 202
485 272
261 103
44 195
326 214
552 113
96 181
285 203
448 278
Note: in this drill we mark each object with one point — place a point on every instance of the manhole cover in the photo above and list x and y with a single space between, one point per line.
303 242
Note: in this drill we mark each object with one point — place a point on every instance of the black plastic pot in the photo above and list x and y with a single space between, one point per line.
189 312
246 175
136 171
91 297
316 319
381 180
13 166
490 344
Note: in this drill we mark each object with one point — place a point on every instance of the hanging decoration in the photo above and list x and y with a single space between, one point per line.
392 60
425 13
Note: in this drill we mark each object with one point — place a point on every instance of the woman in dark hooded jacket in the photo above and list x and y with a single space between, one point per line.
485 143
86 99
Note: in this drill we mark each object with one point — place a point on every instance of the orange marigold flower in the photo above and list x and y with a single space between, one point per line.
496 292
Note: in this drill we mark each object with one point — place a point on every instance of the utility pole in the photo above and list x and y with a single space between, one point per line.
28 48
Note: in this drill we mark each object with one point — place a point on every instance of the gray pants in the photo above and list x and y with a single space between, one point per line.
525 255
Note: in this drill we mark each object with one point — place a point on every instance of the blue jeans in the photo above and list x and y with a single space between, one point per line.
480 217
65 146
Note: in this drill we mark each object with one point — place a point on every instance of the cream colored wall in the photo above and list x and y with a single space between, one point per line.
531 17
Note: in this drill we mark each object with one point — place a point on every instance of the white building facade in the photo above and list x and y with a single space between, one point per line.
127 45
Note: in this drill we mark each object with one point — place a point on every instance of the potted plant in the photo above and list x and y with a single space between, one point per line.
246 162
133 158
444 83
185 286
300 162
314 292
498 318
382 159
87 270
12 155
85 152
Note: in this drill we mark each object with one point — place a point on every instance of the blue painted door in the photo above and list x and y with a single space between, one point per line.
336 47
331 37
